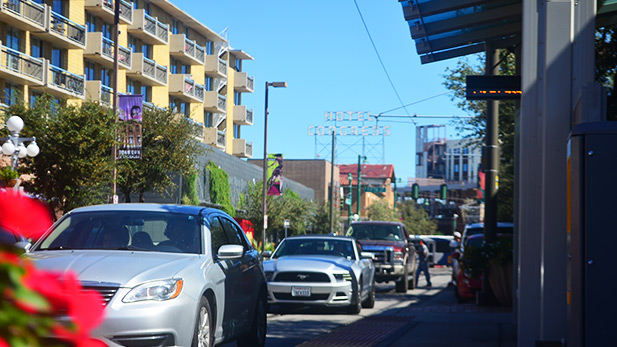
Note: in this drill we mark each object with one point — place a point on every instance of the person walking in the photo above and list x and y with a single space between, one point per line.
455 245
423 266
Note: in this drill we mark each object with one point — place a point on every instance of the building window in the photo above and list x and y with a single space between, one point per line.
36 47
130 86
174 26
106 29
186 69
147 7
465 168
185 108
236 98
465 150
208 84
173 66
57 58
12 38
146 92
147 51
90 23
11 93
57 6
187 31
173 104
236 131
456 168
132 43
208 119
89 69
209 47
419 161
34 96
106 77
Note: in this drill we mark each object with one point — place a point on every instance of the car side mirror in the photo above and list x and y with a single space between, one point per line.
230 252
23 245
367 255
266 254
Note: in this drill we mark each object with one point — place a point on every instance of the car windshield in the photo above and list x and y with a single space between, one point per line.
125 230
337 248
388 232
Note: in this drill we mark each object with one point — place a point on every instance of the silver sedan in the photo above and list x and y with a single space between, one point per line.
169 275
321 270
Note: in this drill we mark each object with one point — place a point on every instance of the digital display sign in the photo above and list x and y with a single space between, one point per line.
493 87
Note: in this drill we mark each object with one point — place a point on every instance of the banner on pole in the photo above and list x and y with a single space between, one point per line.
130 114
275 174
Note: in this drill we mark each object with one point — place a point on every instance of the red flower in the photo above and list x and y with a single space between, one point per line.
24 215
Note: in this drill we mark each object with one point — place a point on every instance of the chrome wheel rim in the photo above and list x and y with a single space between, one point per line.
203 333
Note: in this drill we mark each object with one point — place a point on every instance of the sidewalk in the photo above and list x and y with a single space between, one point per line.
435 320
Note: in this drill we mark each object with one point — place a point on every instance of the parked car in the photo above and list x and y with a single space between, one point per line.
394 253
478 228
169 275
321 270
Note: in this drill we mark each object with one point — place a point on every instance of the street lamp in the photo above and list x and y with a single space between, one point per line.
265 162
13 145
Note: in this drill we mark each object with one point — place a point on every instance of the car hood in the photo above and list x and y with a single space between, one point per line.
122 267
381 243
305 263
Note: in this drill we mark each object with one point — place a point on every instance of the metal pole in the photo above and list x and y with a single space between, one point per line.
265 170
350 178
359 189
115 101
492 153
332 184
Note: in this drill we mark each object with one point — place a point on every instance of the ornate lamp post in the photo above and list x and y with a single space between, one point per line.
14 146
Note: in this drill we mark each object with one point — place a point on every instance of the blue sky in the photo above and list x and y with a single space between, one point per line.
322 50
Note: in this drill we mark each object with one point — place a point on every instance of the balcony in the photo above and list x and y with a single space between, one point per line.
197 129
150 106
214 102
184 88
23 14
148 28
214 137
147 71
215 66
21 68
101 50
243 116
244 83
63 32
185 50
63 84
105 10
242 148
96 91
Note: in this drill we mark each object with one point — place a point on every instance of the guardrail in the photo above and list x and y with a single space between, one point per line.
67 28
107 94
221 102
126 10
154 70
27 9
249 116
193 89
220 138
65 80
21 63
250 82
124 54
222 67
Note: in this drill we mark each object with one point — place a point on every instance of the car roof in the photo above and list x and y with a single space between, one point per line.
377 223
321 236
187 209
481 225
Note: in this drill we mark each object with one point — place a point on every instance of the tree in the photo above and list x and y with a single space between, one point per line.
381 211
416 219
168 149
475 128
606 66
320 222
74 166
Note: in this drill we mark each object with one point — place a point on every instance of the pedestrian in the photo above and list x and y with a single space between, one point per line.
455 245
423 266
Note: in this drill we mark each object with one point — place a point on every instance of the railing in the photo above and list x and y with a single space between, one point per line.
67 28
154 70
126 10
220 83
65 80
162 31
197 128
220 138
248 149
221 102
151 106
124 54
221 47
21 63
193 89
250 82
249 116
27 9
107 94
222 67
194 50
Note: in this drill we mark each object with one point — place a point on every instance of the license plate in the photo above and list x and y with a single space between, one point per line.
300 291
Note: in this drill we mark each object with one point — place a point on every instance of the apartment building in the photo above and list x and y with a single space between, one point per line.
66 49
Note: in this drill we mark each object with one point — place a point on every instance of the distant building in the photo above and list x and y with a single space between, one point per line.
375 182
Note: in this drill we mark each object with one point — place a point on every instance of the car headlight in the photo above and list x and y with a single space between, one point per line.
343 277
269 275
398 257
156 290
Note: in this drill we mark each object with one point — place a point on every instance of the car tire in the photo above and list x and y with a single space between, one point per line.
356 300
403 283
257 335
203 336
412 282
370 300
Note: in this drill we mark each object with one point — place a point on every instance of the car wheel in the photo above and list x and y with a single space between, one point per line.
412 281
257 335
370 300
204 326
356 300
402 283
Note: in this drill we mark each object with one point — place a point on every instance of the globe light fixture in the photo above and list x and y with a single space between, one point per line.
15 146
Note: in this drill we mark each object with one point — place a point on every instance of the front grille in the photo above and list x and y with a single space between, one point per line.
106 292
313 297
301 277
382 256
161 340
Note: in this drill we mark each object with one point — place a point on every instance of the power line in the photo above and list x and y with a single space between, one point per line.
379 56
416 102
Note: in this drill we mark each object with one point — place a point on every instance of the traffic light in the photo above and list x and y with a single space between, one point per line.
443 192
415 191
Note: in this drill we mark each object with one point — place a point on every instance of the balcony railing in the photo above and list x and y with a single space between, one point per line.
243 116
101 50
242 148
152 107
244 83
222 66
187 51
197 128
249 116
71 34
185 88
220 138
105 9
126 11
24 68
107 95
65 81
222 102
147 71
23 14
148 28
154 70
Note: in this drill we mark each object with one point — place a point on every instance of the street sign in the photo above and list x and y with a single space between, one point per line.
493 87
375 189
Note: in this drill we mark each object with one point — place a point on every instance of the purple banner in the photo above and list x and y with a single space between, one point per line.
275 174
131 107
130 114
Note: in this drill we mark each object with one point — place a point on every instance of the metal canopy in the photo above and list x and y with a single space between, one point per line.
444 29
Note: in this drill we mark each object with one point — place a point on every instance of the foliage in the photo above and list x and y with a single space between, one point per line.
477 260
416 220
219 188
320 221
74 166
168 149
7 173
381 211
606 66
475 128
32 299
189 190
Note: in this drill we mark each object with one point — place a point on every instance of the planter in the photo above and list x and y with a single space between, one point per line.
501 281
9 183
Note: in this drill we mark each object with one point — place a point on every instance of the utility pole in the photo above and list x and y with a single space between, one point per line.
350 178
359 189
332 185
114 149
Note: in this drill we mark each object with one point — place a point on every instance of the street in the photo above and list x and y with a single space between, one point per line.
304 324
